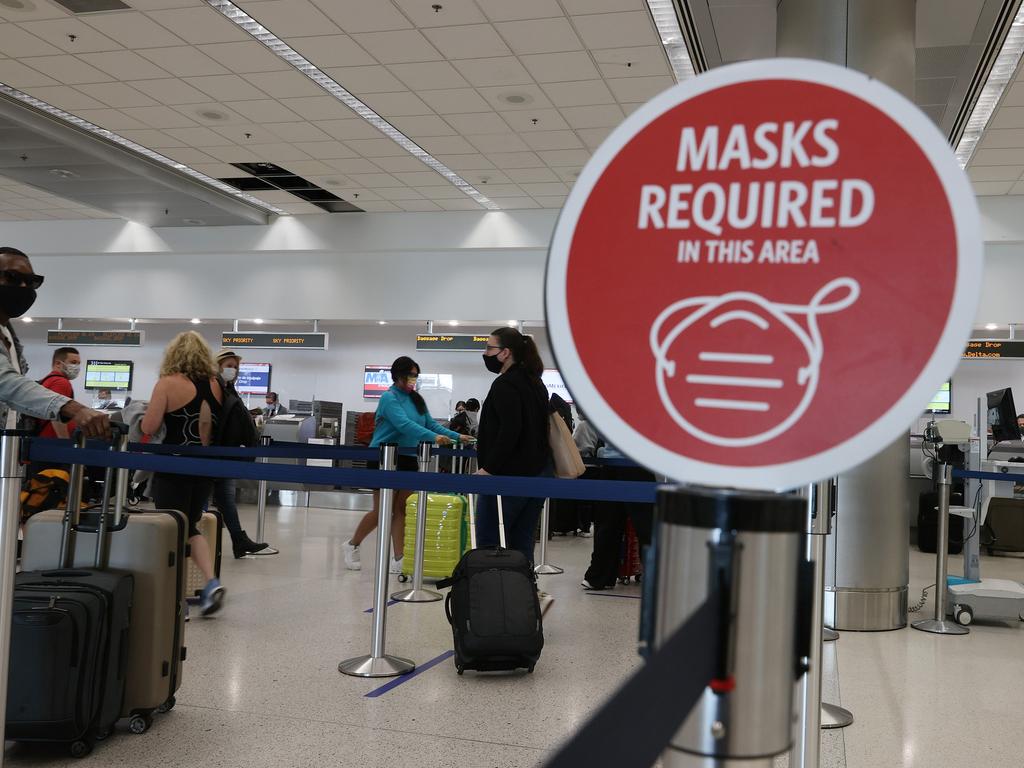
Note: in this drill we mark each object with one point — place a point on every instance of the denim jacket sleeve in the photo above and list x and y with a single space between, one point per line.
26 396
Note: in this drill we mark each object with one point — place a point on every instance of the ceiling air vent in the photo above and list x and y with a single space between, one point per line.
93 6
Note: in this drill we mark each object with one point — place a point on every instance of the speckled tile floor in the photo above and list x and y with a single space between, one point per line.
261 683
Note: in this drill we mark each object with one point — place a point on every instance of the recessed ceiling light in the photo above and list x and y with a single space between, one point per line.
382 322
453 322
211 114
258 320
284 51
195 321
991 327
26 319
515 98
18 5
667 23
512 323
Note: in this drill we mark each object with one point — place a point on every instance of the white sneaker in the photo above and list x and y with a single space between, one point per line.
396 565
352 561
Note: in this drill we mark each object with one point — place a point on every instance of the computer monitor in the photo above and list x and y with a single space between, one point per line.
115 375
942 403
1002 415
253 378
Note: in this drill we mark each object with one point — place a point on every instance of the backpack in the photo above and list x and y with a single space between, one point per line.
44 490
366 423
31 423
235 427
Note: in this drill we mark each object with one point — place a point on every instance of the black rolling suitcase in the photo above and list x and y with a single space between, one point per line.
493 608
69 651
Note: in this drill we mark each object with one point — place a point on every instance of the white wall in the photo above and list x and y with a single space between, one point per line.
974 378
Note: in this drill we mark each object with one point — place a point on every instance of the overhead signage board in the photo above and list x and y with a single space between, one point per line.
751 248
453 342
274 340
62 338
994 350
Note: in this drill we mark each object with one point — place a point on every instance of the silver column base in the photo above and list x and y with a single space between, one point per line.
829 635
417 596
674 758
546 569
866 610
382 666
834 716
943 627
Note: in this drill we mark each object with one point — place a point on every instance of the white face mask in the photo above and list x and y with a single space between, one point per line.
72 371
229 374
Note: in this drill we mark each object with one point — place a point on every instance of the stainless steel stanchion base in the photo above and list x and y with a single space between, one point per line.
829 635
546 569
383 666
940 627
417 596
834 716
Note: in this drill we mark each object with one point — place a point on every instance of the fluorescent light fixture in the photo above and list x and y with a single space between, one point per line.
991 327
258 320
149 154
382 322
26 319
453 322
667 23
513 323
195 321
289 54
999 77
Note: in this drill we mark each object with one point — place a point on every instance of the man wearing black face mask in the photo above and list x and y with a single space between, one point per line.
18 393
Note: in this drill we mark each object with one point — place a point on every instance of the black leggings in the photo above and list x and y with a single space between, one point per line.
184 493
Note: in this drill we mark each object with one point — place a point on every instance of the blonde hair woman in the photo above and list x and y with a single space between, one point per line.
186 402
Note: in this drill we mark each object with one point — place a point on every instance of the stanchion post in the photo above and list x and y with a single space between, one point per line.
939 624
545 568
377 664
261 510
10 517
418 594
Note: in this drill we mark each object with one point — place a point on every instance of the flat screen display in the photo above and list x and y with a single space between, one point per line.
376 381
253 378
943 400
115 375
553 381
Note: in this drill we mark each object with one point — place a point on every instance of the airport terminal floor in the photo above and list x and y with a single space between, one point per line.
262 688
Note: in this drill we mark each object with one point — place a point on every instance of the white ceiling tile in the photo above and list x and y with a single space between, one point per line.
469 162
565 157
545 189
17 75
1016 189
111 119
213 114
218 170
363 16
946 22
439 192
502 70
398 104
454 101
118 95
453 12
535 120
463 204
398 193
1008 117
17 42
68 98
225 87
184 61
280 153
246 57
369 79
429 75
378 206
503 10
446 145
399 165
560 67
355 128
31 12
578 94
374 180
320 108
325 150
507 160
419 205
746 32
399 47
556 201
488 177
160 117
282 84
301 209
354 165
423 125
631 107
633 89
124 65
307 168
611 30
499 190
297 131
996 173
332 51
200 25
425 178
152 138
476 41
998 157
1002 139
568 174
263 110
276 197
512 203
171 91
509 97
600 116
1012 97
540 36
69 70
132 30
375 148
632 62
984 188
291 18
198 136
593 137
552 140
478 123
523 176
498 142
247 134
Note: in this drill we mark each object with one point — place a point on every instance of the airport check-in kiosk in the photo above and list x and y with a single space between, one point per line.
318 422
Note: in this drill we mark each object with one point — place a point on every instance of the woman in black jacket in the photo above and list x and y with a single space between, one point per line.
513 437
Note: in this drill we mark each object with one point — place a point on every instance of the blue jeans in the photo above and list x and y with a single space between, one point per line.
521 515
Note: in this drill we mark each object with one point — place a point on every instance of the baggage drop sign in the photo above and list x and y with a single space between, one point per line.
764 274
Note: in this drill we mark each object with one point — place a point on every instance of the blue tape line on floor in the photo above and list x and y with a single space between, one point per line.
612 594
390 603
405 678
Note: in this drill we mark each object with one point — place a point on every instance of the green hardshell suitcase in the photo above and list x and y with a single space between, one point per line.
447 536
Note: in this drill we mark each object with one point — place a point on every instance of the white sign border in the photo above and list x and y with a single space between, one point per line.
884 430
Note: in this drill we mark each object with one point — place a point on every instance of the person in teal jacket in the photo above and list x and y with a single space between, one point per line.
403 419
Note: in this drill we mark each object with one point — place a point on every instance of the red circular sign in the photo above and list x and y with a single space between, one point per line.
764 274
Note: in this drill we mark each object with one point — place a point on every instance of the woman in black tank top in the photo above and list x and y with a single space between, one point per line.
185 407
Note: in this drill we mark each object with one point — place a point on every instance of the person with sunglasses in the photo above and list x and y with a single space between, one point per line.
18 393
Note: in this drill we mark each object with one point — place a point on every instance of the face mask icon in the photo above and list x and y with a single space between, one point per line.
738 370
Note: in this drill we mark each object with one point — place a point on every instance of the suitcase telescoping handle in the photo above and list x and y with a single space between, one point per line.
472 523
501 525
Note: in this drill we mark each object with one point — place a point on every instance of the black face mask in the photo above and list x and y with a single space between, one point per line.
15 300
494 365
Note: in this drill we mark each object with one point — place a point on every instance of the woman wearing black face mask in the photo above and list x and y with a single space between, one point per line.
513 437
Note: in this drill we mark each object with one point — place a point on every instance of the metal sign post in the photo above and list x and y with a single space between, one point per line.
545 568
939 624
261 510
418 594
10 515
377 664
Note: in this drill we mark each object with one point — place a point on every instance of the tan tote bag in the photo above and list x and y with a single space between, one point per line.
568 462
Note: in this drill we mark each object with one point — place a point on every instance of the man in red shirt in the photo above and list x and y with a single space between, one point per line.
67 364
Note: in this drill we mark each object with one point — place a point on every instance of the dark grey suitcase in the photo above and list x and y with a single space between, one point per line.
1005 522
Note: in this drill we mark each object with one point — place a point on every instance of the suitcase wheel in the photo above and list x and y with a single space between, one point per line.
529 669
101 735
167 706
139 724
459 668
402 578
80 749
